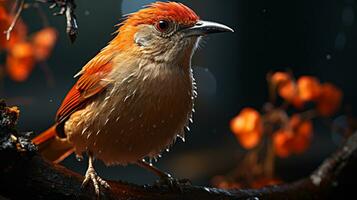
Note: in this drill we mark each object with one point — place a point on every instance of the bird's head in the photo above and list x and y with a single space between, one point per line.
164 31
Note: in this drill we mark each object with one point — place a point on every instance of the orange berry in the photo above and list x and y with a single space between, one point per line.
288 91
19 61
282 143
309 88
247 127
330 99
280 77
296 139
302 135
43 42
249 140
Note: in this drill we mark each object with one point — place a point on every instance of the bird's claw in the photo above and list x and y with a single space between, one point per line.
91 175
173 183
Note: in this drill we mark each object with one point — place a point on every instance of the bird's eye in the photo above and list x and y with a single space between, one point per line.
162 25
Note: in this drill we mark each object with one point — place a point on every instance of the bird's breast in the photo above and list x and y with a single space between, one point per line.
139 115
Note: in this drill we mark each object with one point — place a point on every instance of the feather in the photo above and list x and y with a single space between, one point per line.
88 85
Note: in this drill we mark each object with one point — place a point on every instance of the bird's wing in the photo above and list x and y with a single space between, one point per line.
92 82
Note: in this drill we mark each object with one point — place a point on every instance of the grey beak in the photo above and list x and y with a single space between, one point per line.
202 28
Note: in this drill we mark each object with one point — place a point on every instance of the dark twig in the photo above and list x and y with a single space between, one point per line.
13 23
25 175
66 7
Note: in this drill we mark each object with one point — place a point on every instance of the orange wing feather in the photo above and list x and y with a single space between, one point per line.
88 85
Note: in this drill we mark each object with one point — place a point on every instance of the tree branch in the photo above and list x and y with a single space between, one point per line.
66 7
25 174
14 20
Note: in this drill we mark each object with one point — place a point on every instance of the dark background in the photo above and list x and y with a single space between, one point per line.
309 37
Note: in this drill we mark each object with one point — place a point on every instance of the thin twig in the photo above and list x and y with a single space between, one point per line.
14 6
13 23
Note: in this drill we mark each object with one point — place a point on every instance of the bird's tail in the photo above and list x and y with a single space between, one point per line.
51 146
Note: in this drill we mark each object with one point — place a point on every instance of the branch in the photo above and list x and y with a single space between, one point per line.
14 20
66 7
24 173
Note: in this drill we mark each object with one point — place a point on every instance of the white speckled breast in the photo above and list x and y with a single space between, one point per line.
140 115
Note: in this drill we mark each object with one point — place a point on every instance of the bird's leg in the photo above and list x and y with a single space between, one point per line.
165 178
91 175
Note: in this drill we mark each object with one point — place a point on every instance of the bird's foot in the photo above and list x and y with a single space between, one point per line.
173 183
91 175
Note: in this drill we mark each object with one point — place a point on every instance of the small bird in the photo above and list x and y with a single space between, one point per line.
136 96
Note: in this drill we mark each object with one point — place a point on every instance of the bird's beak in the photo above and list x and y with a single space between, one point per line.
202 28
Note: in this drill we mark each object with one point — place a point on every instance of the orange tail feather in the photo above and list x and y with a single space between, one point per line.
52 147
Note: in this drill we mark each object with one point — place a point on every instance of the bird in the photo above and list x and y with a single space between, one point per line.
135 97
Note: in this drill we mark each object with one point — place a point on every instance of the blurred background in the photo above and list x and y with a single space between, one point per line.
307 37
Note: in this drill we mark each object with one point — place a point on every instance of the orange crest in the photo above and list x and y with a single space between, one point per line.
173 11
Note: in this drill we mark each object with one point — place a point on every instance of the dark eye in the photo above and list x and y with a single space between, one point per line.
162 25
